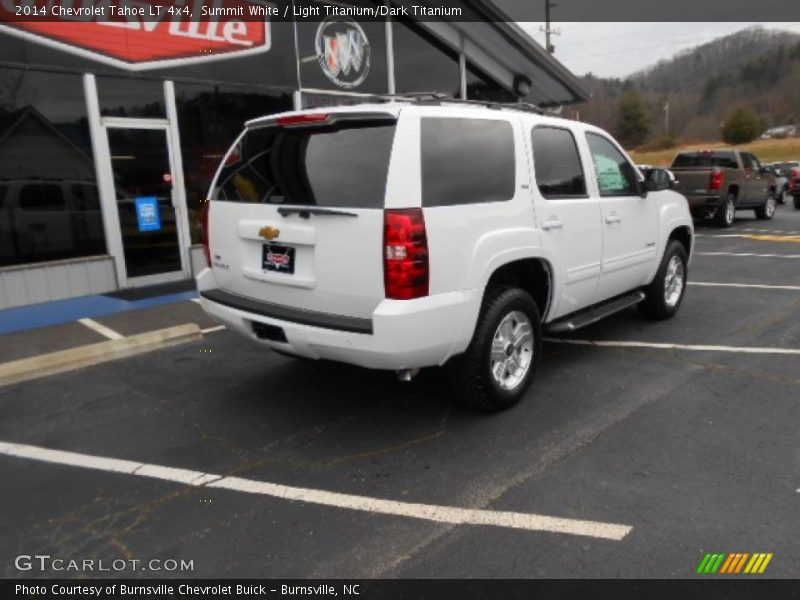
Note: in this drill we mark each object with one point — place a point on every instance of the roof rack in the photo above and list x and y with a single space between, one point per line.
439 98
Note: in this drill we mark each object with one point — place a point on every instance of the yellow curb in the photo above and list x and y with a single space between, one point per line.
93 354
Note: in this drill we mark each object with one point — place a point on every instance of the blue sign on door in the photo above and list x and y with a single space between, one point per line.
147 213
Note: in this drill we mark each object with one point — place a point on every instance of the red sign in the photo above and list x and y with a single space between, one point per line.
136 34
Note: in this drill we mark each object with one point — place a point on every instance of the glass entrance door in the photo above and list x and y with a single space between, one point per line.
143 183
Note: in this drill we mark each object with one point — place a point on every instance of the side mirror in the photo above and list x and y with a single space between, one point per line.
658 180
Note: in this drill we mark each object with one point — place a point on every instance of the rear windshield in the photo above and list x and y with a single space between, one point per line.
723 160
342 167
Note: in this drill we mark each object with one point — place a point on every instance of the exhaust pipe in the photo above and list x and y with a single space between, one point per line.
406 375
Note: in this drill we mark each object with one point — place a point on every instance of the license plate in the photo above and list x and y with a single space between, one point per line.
278 258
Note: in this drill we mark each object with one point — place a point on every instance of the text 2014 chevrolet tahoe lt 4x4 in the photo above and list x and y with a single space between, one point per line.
407 235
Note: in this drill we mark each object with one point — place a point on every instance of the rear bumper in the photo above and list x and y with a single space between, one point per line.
404 334
703 205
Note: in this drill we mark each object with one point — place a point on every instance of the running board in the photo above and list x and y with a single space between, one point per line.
594 314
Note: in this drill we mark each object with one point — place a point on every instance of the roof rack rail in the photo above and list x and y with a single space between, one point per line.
440 98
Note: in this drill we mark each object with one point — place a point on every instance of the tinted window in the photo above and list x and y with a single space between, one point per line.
615 175
39 196
346 167
466 161
750 162
723 160
44 150
130 97
557 164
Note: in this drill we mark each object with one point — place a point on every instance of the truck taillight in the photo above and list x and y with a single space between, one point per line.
717 180
205 233
794 181
406 274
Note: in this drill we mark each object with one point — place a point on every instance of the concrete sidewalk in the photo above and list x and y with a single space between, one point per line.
54 326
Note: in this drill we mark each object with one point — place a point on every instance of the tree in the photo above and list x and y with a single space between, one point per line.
741 126
633 120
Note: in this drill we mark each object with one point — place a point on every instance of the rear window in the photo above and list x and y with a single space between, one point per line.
723 160
342 167
467 161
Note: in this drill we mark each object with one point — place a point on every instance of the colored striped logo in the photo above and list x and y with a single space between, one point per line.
732 564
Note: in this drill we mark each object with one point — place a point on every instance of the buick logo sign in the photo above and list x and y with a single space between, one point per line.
343 51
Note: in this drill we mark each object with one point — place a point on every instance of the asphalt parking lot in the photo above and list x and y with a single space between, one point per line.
630 458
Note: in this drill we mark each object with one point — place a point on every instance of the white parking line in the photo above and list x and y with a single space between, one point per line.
101 329
195 300
747 254
756 286
212 329
425 512
690 347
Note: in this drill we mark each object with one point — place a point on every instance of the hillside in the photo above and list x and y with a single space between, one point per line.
755 67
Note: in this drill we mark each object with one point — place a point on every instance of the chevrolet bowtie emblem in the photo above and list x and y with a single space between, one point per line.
269 233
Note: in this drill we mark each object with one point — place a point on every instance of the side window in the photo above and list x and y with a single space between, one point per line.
615 175
747 161
467 161
557 164
41 196
754 162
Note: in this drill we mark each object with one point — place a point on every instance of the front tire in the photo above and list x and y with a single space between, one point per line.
766 211
726 214
664 295
498 366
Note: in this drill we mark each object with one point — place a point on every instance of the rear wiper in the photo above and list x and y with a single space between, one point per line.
306 212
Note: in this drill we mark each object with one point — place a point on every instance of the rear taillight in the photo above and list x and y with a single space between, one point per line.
717 180
405 254
306 119
795 178
205 233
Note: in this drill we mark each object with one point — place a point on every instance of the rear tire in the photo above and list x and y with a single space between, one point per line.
664 295
498 366
797 202
766 211
726 213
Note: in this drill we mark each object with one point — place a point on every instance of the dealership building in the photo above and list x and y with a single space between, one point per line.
110 135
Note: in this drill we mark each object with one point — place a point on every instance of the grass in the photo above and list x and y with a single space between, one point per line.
765 150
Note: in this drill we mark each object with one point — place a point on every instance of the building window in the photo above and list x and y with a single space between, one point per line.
50 208
482 87
129 97
421 64
210 118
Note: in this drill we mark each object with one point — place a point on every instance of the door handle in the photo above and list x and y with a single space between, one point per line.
552 224
613 219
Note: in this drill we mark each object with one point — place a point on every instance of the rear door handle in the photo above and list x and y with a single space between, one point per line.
613 219
552 224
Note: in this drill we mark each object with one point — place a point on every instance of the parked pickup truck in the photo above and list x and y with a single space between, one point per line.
717 183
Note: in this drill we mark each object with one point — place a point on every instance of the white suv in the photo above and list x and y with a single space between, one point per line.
412 234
